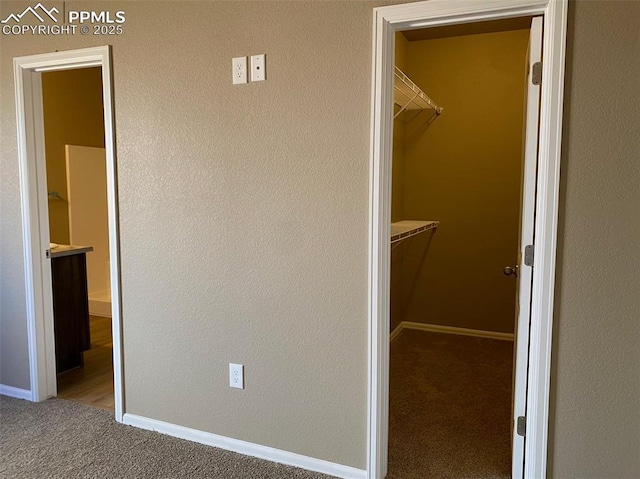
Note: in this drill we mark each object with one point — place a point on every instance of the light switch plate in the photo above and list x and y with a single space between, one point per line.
239 70
258 68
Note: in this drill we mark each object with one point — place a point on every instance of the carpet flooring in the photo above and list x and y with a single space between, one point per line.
59 438
450 407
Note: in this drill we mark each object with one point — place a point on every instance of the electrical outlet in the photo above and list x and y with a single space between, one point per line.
239 68
258 68
236 376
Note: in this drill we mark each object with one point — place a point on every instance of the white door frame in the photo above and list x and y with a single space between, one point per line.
387 21
35 213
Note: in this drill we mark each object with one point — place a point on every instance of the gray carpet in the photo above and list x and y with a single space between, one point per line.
449 418
62 439
450 407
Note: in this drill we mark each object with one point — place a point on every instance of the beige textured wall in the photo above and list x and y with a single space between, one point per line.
211 188
463 170
72 103
243 215
595 419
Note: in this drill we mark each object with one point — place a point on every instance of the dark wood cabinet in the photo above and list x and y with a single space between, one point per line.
70 310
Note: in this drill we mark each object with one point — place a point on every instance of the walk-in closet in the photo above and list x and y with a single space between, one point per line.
460 115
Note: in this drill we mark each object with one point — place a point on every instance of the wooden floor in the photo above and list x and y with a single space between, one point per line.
93 383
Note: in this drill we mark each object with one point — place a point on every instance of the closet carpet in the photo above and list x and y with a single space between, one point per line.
450 407
59 438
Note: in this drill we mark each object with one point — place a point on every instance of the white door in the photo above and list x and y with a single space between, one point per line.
524 272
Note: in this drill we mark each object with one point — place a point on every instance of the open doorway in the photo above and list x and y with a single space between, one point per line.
460 199
540 192
37 196
79 234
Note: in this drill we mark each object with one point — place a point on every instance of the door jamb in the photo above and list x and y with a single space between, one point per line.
30 129
388 20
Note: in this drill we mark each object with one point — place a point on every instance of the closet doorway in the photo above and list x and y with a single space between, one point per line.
529 456
465 131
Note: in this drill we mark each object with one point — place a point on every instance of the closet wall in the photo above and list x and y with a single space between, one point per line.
464 171
397 196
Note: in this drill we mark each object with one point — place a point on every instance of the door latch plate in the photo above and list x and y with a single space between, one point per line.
528 255
536 73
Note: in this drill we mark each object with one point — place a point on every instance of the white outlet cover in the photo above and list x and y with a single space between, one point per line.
239 70
258 68
236 376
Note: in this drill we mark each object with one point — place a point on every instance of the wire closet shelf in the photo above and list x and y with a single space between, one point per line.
408 96
402 230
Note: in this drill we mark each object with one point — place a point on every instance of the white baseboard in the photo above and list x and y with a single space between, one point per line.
100 304
436 328
246 448
17 393
395 332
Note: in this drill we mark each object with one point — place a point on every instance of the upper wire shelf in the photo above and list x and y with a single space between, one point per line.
408 96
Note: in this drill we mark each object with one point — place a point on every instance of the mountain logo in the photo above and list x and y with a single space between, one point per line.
39 11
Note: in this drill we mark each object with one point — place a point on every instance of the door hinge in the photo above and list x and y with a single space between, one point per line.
521 425
528 255
536 73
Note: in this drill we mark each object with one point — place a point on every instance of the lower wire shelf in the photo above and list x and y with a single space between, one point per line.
402 230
